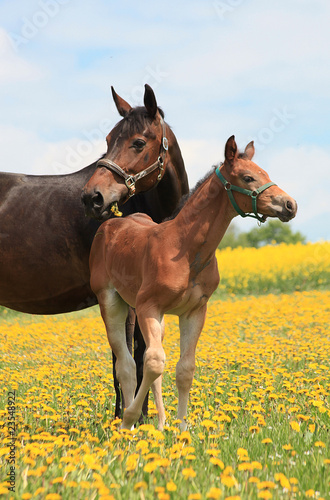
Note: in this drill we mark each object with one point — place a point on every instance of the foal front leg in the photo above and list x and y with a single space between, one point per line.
190 330
154 361
114 312
129 326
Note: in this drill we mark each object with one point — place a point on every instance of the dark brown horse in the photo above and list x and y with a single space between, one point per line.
45 237
171 268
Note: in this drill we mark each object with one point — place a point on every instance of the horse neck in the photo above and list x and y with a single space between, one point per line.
204 219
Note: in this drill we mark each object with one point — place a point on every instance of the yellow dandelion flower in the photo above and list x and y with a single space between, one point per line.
266 441
214 493
228 481
310 493
26 496
57 480
150 467
287 447
265 495
189 472
163 496
295 426
185 436
284 481
53 496
39 491
194 496
141 485
71 484
319 444
254 479
170 486
218 462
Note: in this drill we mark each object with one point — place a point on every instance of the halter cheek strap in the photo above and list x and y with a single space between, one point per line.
253 194
130 180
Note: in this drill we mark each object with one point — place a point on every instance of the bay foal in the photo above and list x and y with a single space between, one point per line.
171 268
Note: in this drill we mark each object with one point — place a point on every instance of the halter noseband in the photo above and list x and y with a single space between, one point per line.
130 180
254 195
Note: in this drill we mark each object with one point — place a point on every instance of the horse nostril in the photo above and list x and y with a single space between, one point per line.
97 199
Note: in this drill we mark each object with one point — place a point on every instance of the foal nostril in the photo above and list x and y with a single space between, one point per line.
289 206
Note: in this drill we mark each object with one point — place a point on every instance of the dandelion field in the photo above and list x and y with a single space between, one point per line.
259 412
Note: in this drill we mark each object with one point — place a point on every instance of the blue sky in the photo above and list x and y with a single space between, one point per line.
259 70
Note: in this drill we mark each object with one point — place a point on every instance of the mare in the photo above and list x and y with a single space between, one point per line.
171 268
45 236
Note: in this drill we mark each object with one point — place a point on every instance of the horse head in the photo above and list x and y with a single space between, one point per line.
136 157
254 191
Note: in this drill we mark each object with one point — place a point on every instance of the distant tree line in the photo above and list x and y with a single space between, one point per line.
271 233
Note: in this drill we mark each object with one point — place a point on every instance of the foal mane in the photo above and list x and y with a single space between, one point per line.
185 198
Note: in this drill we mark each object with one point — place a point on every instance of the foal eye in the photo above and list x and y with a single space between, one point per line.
248 178
139 144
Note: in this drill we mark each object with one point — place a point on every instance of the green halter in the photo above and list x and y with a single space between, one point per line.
254 194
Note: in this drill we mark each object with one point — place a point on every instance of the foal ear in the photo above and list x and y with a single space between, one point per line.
122 106
249 150
150 101
231 149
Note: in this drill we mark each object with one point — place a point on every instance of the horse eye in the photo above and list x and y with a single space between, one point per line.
248 178
139 144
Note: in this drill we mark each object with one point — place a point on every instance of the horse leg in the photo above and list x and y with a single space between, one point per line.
154 360
114 313
190 330
139 350
129 326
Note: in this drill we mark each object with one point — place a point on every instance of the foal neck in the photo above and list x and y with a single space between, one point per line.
204 218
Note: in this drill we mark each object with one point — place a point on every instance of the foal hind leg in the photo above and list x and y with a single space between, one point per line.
190 330
139 350
114 312
156 387
154 360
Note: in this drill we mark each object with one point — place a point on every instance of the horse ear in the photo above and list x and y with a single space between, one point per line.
231 149
122 106
249 150
150 101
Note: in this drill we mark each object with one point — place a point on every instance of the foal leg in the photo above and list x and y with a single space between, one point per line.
190 330
156 387
114 312
129 327
154 360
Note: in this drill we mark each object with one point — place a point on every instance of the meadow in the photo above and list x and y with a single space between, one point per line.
259 412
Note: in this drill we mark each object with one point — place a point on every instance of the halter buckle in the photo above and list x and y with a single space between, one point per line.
227 186
165 143
130 184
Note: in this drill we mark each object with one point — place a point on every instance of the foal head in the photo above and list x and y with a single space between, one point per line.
135 158
250 188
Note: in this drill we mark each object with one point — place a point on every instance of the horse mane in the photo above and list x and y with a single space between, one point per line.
184 199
